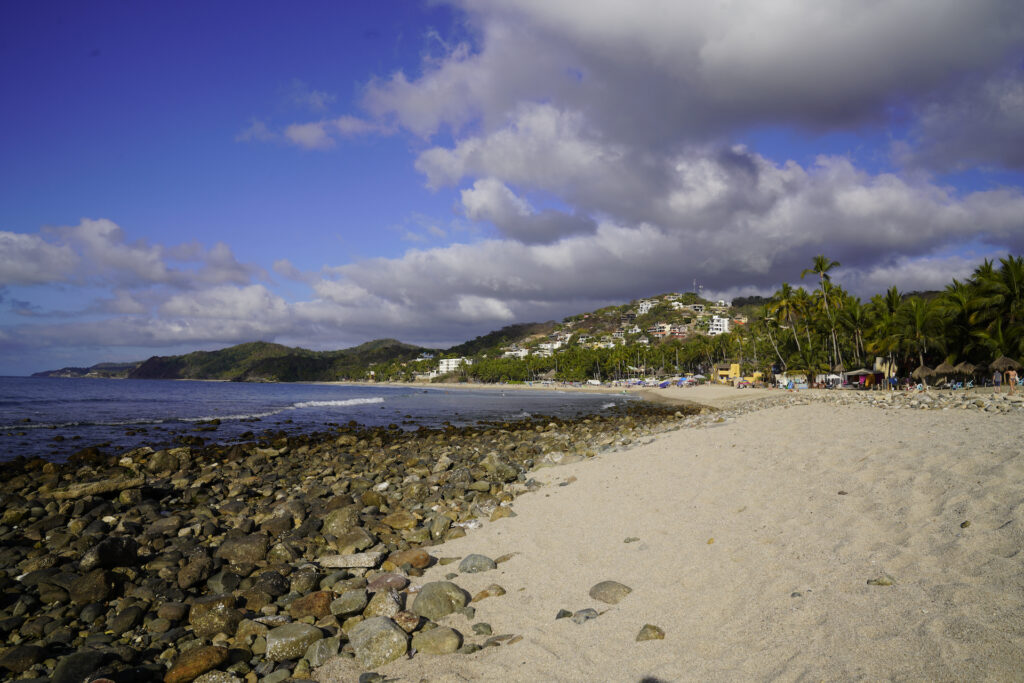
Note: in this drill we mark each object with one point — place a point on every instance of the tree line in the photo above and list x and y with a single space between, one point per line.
808 330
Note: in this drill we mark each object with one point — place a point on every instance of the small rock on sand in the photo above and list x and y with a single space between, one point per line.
610 592
474 563
650 632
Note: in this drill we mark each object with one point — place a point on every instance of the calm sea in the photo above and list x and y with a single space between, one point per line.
53 418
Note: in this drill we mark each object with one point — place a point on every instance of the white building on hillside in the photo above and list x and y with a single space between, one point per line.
446 365
718 326
645 306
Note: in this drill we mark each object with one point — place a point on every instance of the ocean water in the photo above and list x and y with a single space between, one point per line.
55 417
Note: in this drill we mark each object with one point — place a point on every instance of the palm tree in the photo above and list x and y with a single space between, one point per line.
822 265
806 307
1002 298
854 319
920 326
809 360
959 308
766 322
784 309
995 340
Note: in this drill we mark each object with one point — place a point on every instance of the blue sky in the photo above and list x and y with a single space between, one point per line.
196 175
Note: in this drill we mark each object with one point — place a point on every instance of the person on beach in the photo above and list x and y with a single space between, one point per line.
997 380
1011 380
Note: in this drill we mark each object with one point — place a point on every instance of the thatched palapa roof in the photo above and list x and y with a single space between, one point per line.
1004 363
964 368
922 371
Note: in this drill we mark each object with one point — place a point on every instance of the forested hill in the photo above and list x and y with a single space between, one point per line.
506 335
256 362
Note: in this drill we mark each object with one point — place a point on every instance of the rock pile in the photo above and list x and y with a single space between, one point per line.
261 561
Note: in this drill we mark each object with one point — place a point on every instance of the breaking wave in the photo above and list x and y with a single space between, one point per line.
334 404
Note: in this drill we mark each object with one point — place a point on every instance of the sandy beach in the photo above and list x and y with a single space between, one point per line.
751 542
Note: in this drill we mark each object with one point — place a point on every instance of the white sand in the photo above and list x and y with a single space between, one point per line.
765 487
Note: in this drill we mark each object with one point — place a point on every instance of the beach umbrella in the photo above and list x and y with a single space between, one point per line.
945 369
964 368
1004 363
922 371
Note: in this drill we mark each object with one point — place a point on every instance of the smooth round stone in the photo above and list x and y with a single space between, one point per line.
383 604
610 592
400 520
377 641
291 641
195 662
350 602
319 652
438 599
472 564
214 614
386 581
416 557
437 641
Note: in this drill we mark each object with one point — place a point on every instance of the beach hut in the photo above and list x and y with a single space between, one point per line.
922 373
944 370
1004 363
858 377
964 368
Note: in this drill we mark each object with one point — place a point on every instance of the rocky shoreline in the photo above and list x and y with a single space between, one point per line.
262 561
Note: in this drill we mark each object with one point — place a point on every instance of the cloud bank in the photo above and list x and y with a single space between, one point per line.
594 143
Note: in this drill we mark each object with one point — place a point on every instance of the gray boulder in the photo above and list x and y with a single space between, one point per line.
377 641
438 599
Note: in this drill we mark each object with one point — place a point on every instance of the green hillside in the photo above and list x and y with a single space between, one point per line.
263 361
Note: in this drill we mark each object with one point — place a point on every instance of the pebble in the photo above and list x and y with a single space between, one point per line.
472 564
494 590
650 632
437 641
195 662
610 592
585 615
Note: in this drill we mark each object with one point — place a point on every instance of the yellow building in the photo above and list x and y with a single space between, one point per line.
725 373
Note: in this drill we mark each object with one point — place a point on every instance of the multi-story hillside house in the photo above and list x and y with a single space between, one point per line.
515 352
446 365
645 306
719 325
660 330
